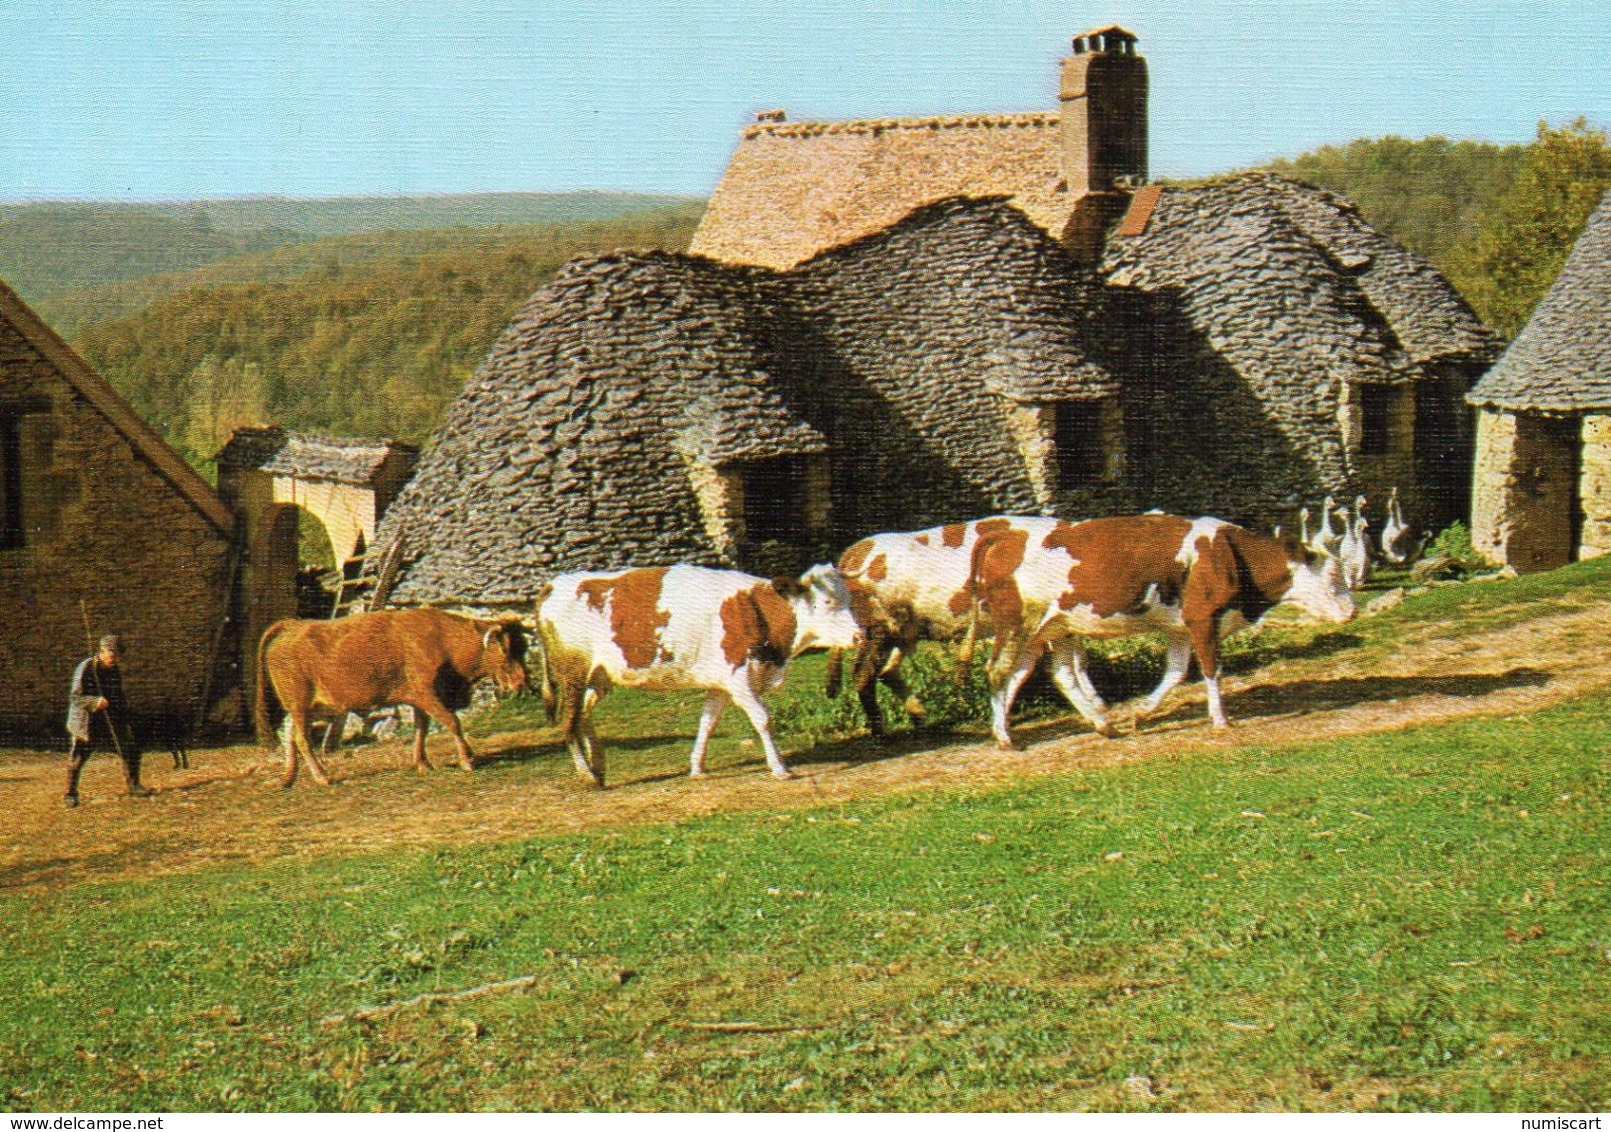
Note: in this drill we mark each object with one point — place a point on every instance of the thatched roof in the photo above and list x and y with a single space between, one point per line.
571 447
309 455
794 189
1561 361
1292 286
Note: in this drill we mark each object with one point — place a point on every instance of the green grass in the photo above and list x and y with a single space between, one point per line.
1418 920
1415 920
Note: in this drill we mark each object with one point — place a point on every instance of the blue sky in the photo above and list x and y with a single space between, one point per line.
162 99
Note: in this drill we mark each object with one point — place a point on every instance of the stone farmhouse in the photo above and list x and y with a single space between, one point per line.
101 520
100 517
890 323
1542 494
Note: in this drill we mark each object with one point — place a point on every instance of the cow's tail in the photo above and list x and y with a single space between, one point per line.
540 643
970 640
260 714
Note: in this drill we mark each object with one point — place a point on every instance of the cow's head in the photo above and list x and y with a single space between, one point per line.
1318 585
823 612
503 654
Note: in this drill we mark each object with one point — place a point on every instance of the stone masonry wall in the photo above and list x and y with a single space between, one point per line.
1595 486
106 528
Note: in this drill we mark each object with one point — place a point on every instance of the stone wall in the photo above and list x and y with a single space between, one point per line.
1595 486
106 528
1524 486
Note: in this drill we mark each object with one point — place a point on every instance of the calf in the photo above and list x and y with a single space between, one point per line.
663 629
1193 580
917 585
427 658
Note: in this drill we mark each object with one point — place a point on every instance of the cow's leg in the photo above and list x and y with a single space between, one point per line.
303 734
1205 643
299 740
896 682
1005 682
1068 664
760 719
1174 672
571 700
422 724
439 711
716 702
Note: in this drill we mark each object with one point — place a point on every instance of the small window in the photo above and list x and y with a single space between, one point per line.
1077 434
775 500
11 529
1376 417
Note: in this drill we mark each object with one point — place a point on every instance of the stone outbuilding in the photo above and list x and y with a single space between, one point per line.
893 323
274 479
100 517
1542 486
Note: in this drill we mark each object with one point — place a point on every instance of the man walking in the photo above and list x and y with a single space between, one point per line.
97 713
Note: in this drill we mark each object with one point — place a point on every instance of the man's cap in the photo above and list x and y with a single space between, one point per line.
112 644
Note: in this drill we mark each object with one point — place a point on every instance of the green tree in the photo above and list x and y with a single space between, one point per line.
1520 248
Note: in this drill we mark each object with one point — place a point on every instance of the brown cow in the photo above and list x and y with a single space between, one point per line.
1193 580
426 658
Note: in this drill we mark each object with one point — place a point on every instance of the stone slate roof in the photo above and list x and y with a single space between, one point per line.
794 189
1561 360
571 446
1282 276
309 455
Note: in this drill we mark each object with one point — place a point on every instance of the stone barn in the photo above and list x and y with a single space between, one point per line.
1542 489
98 515
891 323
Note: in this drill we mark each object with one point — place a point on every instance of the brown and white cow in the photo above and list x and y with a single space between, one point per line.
1193 580
921 586
426 658
668 628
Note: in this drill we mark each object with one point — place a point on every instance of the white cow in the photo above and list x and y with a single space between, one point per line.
921 583
664 629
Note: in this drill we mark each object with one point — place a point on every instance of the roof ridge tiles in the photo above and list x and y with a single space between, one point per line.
817 128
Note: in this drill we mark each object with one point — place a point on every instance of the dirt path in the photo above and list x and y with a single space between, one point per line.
226 809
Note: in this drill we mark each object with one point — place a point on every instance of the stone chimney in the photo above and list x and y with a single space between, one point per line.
1103 96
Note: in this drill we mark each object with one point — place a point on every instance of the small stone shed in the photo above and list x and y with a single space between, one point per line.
96 509
1542 485
271 477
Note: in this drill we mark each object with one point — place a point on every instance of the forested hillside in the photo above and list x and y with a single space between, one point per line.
358 343
1498 221
47 248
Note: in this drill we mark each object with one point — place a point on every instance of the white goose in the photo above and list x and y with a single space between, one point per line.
1396 534
1354 548
1326 537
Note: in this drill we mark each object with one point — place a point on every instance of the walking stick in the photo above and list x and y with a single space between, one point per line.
95 671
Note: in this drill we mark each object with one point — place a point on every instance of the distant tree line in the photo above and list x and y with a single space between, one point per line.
372 348
1498 221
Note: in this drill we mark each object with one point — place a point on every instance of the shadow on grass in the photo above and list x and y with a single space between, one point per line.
1305 696
527 752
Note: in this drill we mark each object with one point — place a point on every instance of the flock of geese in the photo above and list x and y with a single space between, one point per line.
1349 540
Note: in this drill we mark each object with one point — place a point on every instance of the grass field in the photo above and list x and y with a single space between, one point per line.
1416 919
